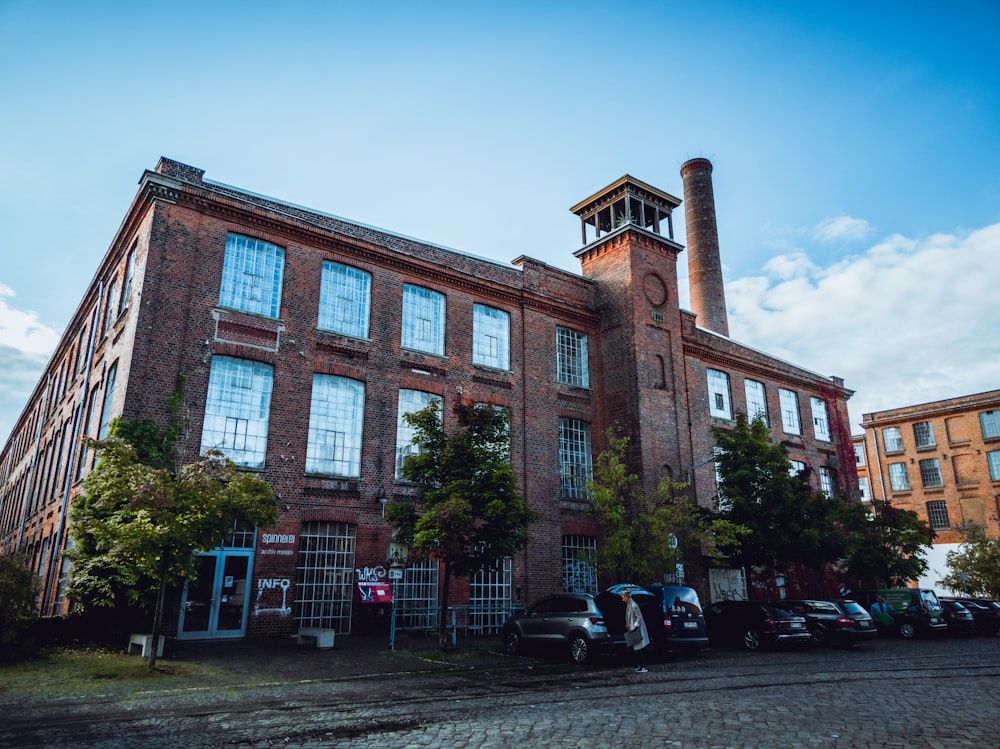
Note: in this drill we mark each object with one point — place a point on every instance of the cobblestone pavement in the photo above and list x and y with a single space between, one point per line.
911 695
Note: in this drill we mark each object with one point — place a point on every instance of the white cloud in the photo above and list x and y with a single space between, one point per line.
906 322
842 228
25 347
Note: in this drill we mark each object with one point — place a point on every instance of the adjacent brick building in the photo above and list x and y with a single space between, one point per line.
301 338
940 460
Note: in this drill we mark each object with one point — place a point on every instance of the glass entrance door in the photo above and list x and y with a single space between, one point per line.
215 604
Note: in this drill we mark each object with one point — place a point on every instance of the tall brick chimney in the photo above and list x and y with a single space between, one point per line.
708 295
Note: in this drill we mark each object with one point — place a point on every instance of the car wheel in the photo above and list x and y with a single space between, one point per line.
751 639
819 636
512 643
907 631
579 649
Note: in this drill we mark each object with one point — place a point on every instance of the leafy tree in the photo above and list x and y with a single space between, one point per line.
974 568
468 514
137 529
788 521
886 544
647 536
18 591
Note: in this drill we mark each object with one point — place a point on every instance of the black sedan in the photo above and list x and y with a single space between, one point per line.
837 622
754 624
960 620
985 613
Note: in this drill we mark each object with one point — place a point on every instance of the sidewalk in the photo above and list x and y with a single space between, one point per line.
352 655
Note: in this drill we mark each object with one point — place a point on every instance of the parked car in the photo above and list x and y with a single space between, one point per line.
985 613
959 619
754 624
673 615
571 622
839 622
915 611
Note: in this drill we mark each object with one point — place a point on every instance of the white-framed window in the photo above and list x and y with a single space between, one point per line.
489 598
574 458
923 434
865 489
756 400
719 403
993 460
237 410
490 337
109 308
572 367
410 401
899 481
826 480
930 473
344 299
859 455
251 276
423 319
990 423
821 423
336 420
127 285
109 394
937 515
892 438
797 467
791 421
579 569
325 575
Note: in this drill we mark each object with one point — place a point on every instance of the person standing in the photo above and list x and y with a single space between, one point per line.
634 622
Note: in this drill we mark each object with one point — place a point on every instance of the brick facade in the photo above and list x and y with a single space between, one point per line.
647 365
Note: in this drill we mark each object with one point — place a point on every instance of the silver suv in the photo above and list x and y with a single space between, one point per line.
570 621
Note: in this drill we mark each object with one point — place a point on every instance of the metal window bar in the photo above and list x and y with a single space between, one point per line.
325 576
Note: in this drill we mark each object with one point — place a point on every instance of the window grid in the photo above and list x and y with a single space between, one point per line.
865 489
899 481
930 473
719 404
892 438
109 308
990 423
423 320
237 410
572 366
579 570
251 276
790 421
109 394
127 285
826 480
416 597
325 576
489 598
859 455
821 423
574 458
993 460
336 416
923 434
937 515
797 467
490 337
756 400
410 401
345 300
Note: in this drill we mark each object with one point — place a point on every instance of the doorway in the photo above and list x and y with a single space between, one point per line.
215 604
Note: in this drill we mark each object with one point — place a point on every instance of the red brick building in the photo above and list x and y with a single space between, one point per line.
940 460
302 338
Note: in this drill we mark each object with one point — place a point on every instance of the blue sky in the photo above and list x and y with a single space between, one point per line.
856 148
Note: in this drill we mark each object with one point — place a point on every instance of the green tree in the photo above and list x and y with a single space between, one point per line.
974 568
788 521
468 514
137 529
886 544
18 592
647 536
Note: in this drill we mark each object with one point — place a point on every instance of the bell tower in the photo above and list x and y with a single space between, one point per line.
630 254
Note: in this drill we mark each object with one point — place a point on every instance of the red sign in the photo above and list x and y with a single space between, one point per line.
374 593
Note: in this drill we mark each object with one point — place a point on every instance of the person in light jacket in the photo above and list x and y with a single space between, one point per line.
634 620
